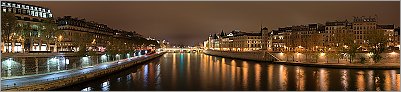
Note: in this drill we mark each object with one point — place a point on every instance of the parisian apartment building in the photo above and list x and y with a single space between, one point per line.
27 37
329 36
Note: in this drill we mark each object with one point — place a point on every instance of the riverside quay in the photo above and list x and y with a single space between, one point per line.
200 46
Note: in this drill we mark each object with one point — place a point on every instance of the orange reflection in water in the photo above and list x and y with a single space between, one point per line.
344 79
370 79
323 79
360 81
188 67
393 80
283 80
174 79
257 76
270 76
150 78
387 81
245 75
397 82
204 68
223 72
300 77
390 80
233 68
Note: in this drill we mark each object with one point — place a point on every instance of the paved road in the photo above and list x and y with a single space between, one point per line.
26 80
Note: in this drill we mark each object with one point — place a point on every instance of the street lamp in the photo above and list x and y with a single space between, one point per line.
345 46
60 38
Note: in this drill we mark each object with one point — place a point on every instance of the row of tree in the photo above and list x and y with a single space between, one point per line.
47 31
28 32
375 44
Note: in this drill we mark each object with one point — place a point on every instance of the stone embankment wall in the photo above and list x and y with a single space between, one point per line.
22 64
85 76
388 57
251 55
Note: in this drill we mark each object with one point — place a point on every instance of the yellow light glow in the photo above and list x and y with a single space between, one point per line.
393 53
322 54
281 53
369 54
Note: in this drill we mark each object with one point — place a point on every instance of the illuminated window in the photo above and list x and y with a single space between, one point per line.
44 15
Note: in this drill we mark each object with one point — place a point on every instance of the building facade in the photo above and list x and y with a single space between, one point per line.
25 36
315 37
234 41
37 31
98 37
331 36
24 11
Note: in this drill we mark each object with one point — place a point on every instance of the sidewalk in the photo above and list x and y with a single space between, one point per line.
16 77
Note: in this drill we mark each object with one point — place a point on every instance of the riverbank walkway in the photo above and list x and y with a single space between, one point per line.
49 77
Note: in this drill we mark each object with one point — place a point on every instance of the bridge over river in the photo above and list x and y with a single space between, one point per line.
190 49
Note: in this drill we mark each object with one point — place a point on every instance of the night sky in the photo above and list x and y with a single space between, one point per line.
190 23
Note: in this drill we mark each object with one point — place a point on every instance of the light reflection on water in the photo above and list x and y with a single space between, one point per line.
257 76
300 77
105 86
270 76
282 77
244 75
344 79
216 73
233 77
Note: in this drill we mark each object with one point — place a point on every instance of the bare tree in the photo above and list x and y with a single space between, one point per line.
82 40
8 25
50 32
377 39
350 46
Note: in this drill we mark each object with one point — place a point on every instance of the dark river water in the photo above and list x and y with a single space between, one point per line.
196 71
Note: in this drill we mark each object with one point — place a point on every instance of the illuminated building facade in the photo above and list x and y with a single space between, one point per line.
31 17
100 35
331 36
235 41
